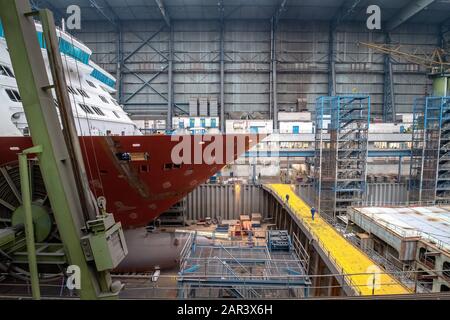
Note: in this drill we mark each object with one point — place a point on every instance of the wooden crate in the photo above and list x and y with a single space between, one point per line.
259 233
230 222
244 217
256 216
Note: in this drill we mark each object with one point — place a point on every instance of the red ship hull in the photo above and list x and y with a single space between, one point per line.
146 184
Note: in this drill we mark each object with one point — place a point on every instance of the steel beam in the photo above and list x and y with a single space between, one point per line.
222 66
346 10
170 82
274 74
120 62
29 226
113 20
146 84
273 31
270 73
163 11
121 59
144 43
331 60
407 13
279 11
58 159
388 91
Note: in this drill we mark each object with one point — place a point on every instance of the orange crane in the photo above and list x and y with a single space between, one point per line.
436 61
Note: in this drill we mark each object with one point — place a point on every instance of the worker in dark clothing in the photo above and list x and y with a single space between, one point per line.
287 198
313 212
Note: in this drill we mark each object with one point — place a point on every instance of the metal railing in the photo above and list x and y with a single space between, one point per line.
401 231
185 252
346 279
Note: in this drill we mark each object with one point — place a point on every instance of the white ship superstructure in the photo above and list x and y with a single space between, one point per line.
96 111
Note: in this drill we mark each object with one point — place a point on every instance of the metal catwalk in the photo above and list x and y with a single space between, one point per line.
356 266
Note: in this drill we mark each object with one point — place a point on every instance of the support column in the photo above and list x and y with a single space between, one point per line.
315 271
388 91
274 74
119 60
270 72
170 81
332 60
222 77
29 227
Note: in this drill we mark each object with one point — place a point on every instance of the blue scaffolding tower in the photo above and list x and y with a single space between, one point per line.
341 149
430 155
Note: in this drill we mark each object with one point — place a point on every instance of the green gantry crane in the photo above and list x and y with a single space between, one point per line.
92 241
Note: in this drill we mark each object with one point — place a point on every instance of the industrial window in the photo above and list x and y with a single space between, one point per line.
71 90
98 111
103 99
14 95
114 102
86 108
91 84
83 93
115 113
6 71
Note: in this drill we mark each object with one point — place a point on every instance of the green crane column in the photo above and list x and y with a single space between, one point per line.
29 229
55 162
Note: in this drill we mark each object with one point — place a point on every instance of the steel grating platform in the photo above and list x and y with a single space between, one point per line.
237 270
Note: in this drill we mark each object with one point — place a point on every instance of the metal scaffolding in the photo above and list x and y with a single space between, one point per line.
341 148
430 156
227 269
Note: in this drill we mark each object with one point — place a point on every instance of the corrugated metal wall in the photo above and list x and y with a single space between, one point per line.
387 194
230 201
225 201
302 62
378 194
